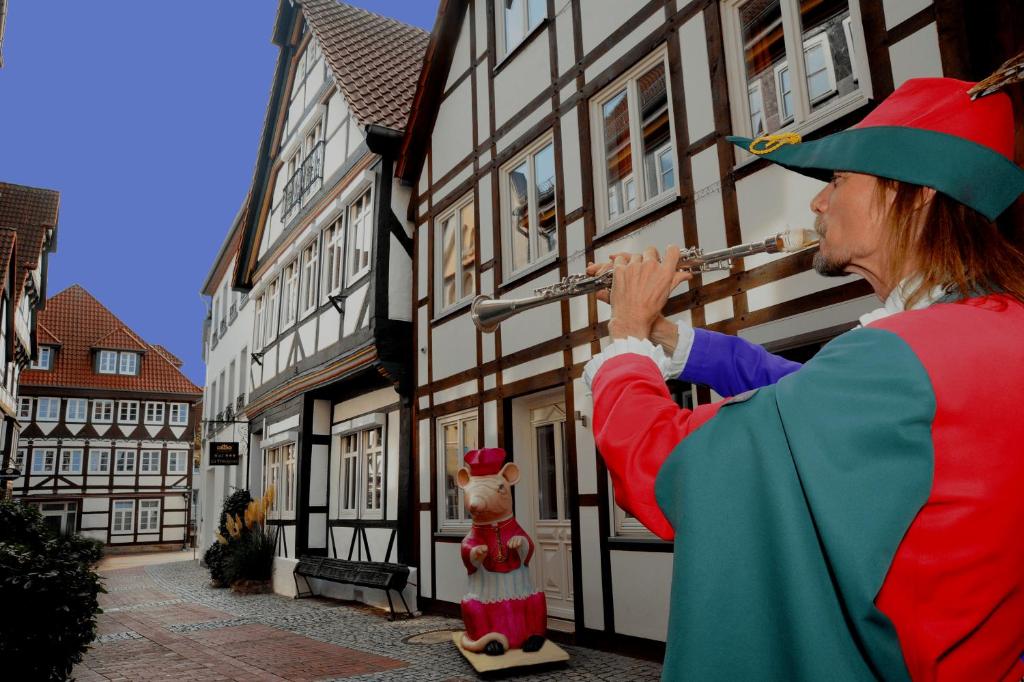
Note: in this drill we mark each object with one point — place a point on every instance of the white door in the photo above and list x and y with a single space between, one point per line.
552 532
60 516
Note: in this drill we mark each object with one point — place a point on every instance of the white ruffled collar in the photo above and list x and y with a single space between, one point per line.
896 301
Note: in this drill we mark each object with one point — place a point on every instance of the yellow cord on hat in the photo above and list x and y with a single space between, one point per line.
772 142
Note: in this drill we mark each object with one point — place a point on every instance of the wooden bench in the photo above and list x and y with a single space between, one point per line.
373 574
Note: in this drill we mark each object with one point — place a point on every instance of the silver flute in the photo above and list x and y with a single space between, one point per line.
488 312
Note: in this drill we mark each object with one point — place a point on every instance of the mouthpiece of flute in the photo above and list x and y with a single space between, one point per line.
794 240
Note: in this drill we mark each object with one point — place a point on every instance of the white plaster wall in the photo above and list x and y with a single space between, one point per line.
452 580
454 119
897 11
772 200
564 37
641 604
787 289
590 558
520 80
421 260
522 127
572 176
598 25
531 368
453 346
487 219
423 459
812 320
399 282
375 401
426 568
700 117
916 56
460 59
533 326
639 32
422 321
483 103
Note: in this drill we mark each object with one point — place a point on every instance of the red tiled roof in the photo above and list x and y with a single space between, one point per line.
376 60
8 239
30 211
79 320
120 338
44 337
175 360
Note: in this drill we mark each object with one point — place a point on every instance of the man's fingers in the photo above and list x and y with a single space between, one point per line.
671 260
681 277
651 254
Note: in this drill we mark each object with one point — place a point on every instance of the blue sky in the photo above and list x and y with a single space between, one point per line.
146 117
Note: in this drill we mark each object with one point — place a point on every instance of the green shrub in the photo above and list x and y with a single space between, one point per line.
48 594
235 505
251 556
215 558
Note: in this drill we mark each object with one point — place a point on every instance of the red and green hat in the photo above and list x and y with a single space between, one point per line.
928 132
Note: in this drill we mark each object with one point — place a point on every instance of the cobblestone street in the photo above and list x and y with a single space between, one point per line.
164 622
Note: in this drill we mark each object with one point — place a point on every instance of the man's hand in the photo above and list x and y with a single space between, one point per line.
660 330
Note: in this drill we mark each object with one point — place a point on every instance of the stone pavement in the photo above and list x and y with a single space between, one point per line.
164 622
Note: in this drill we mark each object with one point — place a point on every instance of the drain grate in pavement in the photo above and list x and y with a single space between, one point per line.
432 637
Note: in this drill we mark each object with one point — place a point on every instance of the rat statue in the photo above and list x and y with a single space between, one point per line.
502 610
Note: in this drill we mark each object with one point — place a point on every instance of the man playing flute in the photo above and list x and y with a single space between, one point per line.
858 517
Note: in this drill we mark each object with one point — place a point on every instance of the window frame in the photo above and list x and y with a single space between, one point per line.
39 408
354 274
644 203
335 244
133 406
155 421
445 524
270 311
23 402
182 409
358 507
751 88
20 458
154 457
119 515
101 358
289 293
47 352
804 120
142 504
275 473
175 456
99 404
46 453
460 297
80 402
501 30
95 455
69 452
526 156
131 457
309 289
136 360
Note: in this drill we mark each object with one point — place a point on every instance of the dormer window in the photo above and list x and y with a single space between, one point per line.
114 362
129 363
45 359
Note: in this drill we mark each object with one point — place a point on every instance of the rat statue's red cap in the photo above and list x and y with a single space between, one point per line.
485 461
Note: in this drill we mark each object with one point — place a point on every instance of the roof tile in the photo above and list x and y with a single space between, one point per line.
376 60
80 321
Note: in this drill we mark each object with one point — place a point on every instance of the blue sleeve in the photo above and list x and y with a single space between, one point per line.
731 365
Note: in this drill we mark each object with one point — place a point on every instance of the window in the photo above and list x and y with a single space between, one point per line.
149 462
243 374
149 515
19 459
128 412
519 18
309 280
154 413
71 461
124 461
360 220
177 461
78 410
107 362
24 408
458 436
270 313
279 471
289 294
103 411
257 324
334 256
179 413
635 138
43 460
45 359
129 363
457 236
99 461
124 517
361 474
47 409
529 183
764 42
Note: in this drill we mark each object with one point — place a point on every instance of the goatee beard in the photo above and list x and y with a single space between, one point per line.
827 268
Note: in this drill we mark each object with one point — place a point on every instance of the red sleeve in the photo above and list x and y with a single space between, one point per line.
468 543
637 425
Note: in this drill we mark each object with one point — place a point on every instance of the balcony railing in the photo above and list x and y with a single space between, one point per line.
240 403
311 170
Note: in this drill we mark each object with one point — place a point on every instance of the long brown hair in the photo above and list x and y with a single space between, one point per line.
949 245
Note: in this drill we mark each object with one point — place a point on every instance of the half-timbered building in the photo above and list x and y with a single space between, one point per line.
548 133
325 256
28 234
106 447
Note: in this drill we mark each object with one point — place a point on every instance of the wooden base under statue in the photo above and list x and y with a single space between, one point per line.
514 658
